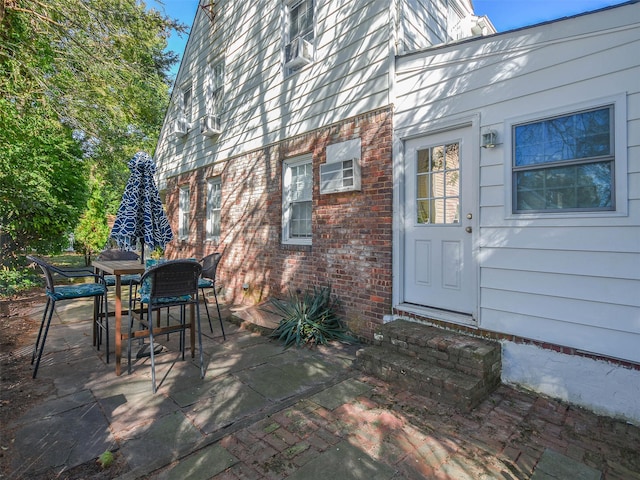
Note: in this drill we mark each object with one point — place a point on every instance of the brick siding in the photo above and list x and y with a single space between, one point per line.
352 231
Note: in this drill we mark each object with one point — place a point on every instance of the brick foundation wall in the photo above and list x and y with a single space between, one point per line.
352 231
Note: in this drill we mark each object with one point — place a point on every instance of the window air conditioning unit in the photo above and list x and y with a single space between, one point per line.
342 176
210 125
180 127
298 53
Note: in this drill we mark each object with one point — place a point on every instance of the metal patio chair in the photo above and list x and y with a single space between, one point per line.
57 293
170 284
208 280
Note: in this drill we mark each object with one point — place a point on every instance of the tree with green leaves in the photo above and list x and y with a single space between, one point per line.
92 232
84 84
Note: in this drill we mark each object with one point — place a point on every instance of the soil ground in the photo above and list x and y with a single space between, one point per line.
19 392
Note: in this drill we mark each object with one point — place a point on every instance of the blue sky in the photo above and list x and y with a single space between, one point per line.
504 14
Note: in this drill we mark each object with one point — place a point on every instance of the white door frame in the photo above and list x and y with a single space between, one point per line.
472 167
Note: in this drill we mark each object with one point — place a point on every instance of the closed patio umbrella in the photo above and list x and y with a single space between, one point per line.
141 215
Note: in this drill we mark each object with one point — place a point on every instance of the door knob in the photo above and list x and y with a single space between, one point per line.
468 229
469 216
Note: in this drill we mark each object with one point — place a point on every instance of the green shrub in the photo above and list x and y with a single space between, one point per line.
309 318
13 281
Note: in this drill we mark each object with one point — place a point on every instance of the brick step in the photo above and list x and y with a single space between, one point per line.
449 367
452 350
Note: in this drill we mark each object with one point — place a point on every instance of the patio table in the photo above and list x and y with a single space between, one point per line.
118 268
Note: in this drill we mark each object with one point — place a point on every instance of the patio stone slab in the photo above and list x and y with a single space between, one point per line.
230 404
339 394
554 465
63 440
128 412
58 406
201 465
284 380
343 461
167 437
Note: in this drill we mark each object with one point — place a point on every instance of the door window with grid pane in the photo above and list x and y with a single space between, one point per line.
297 200
214 205
438 184
565 163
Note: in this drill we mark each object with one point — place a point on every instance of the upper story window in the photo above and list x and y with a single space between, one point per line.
214 99
214 85
182 123
214 206
184 103
183 213
297 189
300 34
565 163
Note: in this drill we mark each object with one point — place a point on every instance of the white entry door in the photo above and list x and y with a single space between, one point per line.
439 222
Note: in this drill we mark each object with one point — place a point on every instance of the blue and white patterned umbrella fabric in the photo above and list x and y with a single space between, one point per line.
141 215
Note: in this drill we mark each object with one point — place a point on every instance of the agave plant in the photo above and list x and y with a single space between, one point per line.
309 318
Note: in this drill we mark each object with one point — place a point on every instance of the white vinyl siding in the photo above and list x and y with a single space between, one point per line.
349 76
214 207
569 278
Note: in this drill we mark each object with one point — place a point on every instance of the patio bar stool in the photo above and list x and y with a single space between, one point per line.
57 293
170 284
208 280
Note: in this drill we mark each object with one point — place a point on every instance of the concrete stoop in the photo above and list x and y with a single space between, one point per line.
450 367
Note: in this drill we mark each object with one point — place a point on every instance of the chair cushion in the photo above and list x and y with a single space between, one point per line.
77 291
144 298
204 283
133 279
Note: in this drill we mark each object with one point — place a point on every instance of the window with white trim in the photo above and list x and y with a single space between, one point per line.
297 205
184 103
299 34
565 163
214 206
214 88
183 213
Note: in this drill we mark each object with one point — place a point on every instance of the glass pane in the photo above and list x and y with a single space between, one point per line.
437 159
423 211
452 157
301 18
587 186
300 223
422 186
423 161
437 211
301 182
215 224
437 185
570 137
452 210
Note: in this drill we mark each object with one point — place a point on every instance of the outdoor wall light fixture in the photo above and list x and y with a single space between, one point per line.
489 139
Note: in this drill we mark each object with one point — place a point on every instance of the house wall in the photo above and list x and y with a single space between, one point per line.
350 76
351 250
268 116
567 282
424 23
